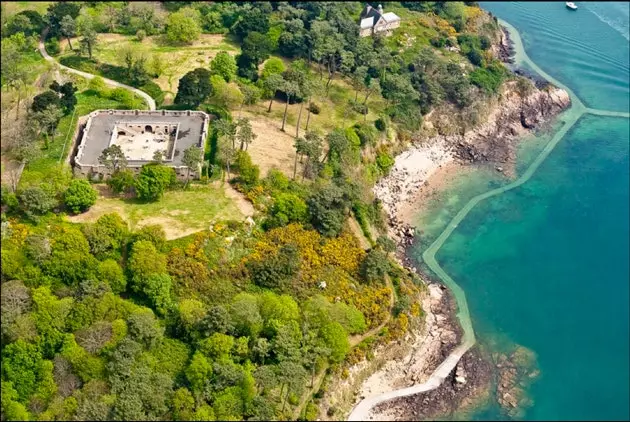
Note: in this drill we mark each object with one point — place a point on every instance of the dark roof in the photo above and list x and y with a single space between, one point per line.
370 12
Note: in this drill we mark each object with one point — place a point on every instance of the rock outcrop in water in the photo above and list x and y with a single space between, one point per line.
495 141
515 372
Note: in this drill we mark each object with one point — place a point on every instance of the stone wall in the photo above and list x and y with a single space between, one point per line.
100 172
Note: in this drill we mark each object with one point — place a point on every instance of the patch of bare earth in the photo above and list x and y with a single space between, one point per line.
244 206
272 147
96 212
358 233
172 228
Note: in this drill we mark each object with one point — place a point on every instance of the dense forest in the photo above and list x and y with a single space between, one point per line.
101 322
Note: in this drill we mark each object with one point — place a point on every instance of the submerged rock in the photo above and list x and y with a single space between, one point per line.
516 371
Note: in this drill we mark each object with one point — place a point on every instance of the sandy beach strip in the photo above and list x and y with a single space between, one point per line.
410 171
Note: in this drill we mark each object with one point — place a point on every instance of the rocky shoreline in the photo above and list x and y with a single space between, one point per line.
467 386
404 363
505 52
492 143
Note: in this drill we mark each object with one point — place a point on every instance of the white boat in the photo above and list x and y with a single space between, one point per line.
571 5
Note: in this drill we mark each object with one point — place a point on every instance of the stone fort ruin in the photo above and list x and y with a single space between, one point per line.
140 135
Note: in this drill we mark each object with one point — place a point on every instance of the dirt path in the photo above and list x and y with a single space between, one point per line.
244 205
354 341
358 233
42 49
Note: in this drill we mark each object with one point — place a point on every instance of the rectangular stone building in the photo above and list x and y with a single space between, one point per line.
140 134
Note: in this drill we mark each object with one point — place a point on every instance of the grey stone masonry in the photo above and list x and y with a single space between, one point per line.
140 133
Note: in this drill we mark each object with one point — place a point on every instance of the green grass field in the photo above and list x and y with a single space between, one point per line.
13 7
179 212
176 61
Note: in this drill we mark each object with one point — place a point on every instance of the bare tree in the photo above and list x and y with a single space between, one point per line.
15 300
65 379
95 336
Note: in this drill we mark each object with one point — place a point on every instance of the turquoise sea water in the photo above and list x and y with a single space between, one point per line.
546 265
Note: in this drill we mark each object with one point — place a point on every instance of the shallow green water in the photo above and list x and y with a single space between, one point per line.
546 265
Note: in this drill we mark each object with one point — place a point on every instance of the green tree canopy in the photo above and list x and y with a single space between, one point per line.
153 180
110 272
223 65
194 87
183 26
80 196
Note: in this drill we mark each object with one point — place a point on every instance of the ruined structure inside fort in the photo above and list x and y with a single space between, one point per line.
140 135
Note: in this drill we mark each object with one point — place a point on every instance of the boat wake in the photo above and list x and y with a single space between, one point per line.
617 25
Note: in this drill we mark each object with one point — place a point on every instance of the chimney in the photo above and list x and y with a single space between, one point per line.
380 9
367 9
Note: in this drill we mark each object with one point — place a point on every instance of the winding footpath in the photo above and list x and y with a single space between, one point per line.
42 49
569 117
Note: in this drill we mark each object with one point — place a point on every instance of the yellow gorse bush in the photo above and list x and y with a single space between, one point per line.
333 262
18 233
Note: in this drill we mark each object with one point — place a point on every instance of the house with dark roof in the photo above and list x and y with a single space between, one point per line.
375 21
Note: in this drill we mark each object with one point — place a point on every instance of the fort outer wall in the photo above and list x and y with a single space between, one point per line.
97 171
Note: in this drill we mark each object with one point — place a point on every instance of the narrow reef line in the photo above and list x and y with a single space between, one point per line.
609 113
571 116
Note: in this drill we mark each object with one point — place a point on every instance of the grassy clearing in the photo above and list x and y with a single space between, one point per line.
180 213
274 149
54 156
13 7
35 65
177 61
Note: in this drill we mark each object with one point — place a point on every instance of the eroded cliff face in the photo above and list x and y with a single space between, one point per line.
494 141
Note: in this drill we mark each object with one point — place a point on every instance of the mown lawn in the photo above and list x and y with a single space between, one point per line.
179 212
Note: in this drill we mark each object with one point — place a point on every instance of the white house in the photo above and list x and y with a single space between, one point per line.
375 21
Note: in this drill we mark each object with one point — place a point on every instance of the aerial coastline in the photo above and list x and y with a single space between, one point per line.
420 173
286 210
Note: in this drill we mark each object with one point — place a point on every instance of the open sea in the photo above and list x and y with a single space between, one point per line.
546 265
